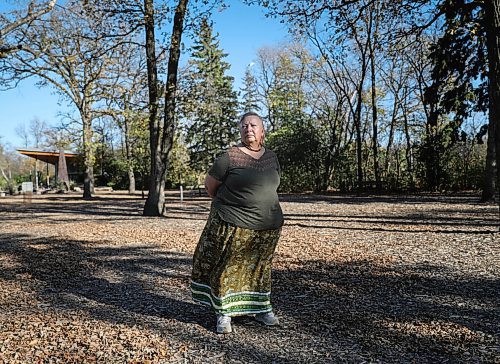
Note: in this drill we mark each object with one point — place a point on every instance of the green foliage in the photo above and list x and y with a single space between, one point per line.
459 85
459 57
139 144
112 172
456 159
14 169
308 97
464 169
301 156
249 92
208 102
179 170
4 185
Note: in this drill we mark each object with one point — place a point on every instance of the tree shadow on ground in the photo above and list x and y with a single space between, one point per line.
74 209
361 311
428 218
365 198
393 230
330 311
122 208
418 313
197 209
137 286
404 222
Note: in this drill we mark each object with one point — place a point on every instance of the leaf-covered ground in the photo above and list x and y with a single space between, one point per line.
356 279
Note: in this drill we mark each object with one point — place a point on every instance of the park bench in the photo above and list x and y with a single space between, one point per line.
372 186
103 189
196 189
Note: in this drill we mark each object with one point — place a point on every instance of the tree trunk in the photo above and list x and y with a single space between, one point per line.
376 169
131 180
488 193
88 155
161 144
171 87
372 44
10 183
155 187
357 126
357 117
429 152
331 148
390 138
408 152
493 45
495 86
359 143
432 153
128 154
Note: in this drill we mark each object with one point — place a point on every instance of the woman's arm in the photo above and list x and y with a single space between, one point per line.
211 185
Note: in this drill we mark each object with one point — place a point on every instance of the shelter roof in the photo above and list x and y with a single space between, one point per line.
47 156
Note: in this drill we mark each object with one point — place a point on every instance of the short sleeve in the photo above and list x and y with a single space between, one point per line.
219 168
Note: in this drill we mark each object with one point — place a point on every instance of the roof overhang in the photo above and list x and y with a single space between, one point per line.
46 156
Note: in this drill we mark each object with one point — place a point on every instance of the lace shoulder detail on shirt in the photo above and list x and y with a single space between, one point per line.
239 159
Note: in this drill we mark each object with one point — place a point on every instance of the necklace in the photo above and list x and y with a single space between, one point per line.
252 149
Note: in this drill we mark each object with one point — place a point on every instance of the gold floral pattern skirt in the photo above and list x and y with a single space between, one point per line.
232 268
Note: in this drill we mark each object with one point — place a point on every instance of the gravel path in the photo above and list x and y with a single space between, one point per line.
387 279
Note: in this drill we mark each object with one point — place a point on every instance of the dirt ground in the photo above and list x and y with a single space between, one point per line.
356 279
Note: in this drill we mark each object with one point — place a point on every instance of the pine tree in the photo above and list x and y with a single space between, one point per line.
250 97
464 76
209 102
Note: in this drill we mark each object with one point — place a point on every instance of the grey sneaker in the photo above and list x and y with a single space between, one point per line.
223 324
268 318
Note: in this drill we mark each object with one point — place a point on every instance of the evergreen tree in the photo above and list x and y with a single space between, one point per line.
286 95
209 103
465 59
249 92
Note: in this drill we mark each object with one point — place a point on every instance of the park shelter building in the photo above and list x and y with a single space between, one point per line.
61 160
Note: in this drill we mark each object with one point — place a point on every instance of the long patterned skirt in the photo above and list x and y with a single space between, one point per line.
232 268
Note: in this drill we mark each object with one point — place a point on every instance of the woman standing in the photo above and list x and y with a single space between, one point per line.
232 262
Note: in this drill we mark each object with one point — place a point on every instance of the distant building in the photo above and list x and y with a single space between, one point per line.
63 162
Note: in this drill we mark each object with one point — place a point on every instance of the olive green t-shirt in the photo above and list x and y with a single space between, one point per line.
248 195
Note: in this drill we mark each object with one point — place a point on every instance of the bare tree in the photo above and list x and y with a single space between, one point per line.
126 100
267 65
67 53
6 165
329 105
148 14
161 134
19 19
23 133
373 19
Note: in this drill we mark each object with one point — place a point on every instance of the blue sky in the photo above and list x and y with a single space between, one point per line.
242 31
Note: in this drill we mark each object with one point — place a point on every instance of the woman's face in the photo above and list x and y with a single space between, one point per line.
252 130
